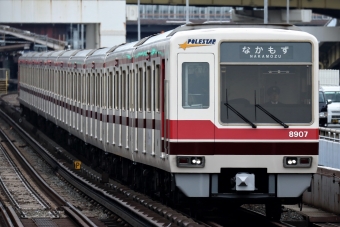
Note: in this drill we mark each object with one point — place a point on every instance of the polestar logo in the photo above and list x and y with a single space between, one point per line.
197 43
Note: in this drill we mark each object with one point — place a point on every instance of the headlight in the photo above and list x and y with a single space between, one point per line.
190 161
323 114
297 162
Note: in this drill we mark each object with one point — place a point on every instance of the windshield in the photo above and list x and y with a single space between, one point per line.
333 95
321 97
283 91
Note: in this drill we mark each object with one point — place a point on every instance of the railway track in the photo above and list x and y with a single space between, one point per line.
28 199
18 190
135 211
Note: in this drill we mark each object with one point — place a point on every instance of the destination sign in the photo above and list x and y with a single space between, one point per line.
266 52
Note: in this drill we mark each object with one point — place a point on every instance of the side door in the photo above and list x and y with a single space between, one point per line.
196 102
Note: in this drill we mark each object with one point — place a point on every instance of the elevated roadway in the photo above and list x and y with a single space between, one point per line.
31 37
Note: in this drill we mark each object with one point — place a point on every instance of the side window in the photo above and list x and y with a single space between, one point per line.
123 89
127 87
79 77
140 89
55 81
73 85
110 89
148 89
83 93
120 89
92 89
132 90
157 88
88 88
116 90
60 80
69 83
98 90
104 90
195 85
63 82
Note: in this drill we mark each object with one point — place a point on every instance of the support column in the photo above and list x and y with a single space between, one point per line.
92 36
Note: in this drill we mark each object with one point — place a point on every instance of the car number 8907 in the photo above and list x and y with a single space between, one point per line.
299 134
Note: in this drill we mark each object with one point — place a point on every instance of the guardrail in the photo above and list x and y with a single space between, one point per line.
329 147
41 39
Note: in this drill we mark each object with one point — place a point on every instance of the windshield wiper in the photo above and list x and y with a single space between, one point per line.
272 116
239 114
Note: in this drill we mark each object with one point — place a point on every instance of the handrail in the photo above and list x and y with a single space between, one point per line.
330 134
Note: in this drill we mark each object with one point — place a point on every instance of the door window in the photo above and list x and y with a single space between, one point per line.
195 85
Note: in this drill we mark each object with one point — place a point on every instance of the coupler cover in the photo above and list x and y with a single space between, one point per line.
245 182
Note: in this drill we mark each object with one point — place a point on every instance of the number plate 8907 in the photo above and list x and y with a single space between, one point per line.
298 134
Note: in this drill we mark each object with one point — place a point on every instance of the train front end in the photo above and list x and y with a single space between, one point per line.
244 125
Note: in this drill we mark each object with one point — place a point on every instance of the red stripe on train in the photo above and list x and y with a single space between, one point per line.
205 129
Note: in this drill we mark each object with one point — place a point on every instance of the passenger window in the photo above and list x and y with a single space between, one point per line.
195 85
79 77
148 88
104 90
140 89
123 84
98 90
93 87
116 90
110 89
88 88
120 89
127 87
70 85
157 88
132 90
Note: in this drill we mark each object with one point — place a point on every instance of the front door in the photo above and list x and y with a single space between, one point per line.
196 102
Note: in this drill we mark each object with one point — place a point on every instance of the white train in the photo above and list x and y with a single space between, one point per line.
206 110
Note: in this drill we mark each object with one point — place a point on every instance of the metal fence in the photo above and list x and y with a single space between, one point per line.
329 147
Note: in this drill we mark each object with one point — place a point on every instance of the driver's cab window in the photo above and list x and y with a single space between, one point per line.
263 93
333 95
195 85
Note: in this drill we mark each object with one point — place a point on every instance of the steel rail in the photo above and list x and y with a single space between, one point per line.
8 194
10 218
39 198
113 203
74 214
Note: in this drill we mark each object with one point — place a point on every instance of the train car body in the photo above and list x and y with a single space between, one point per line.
196 102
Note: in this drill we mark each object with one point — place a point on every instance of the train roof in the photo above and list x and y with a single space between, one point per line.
85 52
101 51
30 54
208 25
152 38
69 53
126 46
57 53
162 36
46 54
